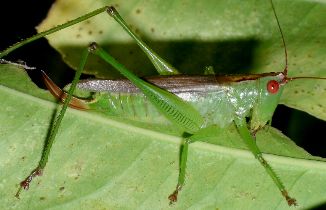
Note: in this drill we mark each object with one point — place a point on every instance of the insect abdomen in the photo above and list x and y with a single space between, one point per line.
134 106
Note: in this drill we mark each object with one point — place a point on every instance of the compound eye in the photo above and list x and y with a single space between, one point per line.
273 86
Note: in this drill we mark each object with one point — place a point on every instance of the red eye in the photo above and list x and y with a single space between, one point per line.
273 86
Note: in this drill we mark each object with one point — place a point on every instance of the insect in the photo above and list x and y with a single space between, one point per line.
250 95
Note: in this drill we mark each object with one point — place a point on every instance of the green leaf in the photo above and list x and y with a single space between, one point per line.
232 37
100 162
106 163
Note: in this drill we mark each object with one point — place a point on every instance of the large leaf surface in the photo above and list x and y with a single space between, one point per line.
99 162
232 36
105 163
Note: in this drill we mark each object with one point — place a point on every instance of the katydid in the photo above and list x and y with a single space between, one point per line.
181 99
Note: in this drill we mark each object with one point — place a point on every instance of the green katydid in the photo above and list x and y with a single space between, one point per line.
261 100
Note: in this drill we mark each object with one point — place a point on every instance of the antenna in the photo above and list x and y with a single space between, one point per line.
285 71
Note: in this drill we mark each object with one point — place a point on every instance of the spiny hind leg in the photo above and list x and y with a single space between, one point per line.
162 66
179 112
54 129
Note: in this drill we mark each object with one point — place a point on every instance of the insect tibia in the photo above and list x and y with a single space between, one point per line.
26 182
58 93
52 30
161 65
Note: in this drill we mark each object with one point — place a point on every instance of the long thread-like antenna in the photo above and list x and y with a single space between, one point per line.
285 71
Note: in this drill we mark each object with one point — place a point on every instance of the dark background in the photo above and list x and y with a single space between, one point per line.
18 21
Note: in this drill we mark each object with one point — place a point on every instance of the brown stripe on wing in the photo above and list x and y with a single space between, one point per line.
174 83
